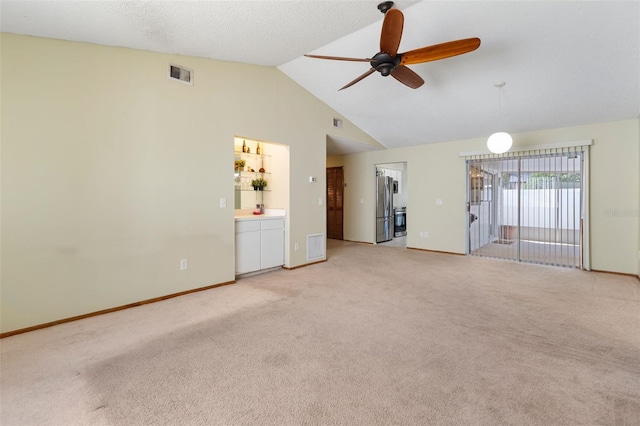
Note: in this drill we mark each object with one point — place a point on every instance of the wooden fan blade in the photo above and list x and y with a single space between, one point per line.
366 74
440 51
407 77
339 58
391 32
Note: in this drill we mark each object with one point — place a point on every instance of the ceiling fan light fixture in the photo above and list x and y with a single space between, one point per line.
499 142
385 69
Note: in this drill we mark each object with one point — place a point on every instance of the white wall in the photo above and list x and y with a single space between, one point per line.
435 171
638 131
112 173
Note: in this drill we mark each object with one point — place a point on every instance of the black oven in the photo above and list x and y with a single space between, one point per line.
400 221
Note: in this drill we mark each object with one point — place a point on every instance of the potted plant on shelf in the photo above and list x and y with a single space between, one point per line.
239 165
258 184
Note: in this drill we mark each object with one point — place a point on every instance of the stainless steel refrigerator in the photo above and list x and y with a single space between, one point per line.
384 208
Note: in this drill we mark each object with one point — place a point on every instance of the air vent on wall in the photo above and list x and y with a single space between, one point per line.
337 123
181 74
315 246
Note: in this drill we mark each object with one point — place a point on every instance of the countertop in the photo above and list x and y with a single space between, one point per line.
247 214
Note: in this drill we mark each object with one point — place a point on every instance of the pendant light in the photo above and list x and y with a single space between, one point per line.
499 142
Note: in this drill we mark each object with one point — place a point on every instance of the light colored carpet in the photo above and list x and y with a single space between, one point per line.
374 336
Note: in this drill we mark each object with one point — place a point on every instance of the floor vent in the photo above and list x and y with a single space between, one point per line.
315 246
181 74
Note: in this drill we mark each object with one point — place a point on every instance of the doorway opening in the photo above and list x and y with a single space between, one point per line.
391 204
527 208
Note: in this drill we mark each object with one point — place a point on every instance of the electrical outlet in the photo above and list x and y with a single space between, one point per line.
183 265
320 201
296 247
424 234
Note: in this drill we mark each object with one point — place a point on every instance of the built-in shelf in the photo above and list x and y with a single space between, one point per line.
250 155
243 178
245 173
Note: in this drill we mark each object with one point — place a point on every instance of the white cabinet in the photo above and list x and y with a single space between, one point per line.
271 243
259 244
247 246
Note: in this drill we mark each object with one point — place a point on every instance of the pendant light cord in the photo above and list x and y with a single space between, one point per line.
500 85
499 142
499 108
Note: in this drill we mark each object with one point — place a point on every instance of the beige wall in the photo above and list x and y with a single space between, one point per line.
437 172
112 173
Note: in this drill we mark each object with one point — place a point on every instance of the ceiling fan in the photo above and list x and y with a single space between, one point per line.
389 62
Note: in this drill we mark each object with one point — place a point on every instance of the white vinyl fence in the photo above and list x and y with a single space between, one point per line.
542 208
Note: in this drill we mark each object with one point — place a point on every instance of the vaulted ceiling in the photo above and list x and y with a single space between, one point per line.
565 63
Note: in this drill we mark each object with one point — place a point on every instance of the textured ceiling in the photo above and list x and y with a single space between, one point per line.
565 62
253 32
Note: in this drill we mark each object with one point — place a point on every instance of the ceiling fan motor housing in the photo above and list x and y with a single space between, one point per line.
385 63
384 6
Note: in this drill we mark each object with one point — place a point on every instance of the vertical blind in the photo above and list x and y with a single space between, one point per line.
529 205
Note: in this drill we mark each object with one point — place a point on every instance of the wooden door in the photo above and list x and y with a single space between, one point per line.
335 202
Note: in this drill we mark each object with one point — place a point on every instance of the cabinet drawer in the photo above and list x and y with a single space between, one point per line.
272 224
247 226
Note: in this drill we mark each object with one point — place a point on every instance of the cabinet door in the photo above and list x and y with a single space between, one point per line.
272 248
247 252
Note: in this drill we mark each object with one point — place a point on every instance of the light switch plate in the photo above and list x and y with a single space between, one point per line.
223 203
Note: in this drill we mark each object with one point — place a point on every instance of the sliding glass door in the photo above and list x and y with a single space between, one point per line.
527 208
